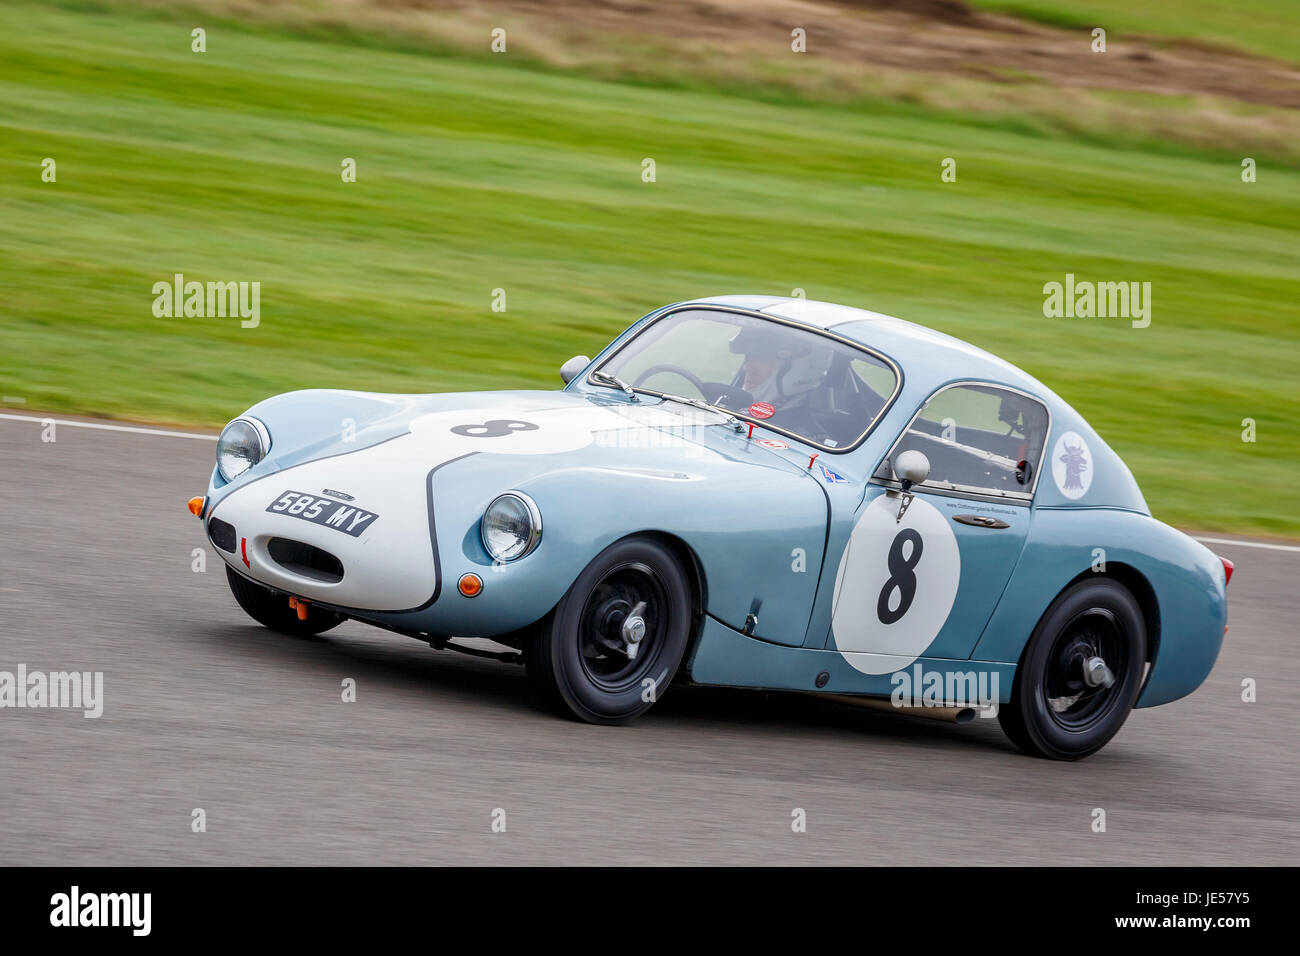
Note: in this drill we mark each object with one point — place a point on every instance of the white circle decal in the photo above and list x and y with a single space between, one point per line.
895 586
496 431
1071 465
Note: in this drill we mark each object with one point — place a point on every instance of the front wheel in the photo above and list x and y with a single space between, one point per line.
1080 673
611 646
272 610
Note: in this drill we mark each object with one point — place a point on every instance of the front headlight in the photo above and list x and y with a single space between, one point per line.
511 526
243 443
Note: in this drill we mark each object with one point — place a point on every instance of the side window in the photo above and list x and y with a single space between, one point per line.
979 438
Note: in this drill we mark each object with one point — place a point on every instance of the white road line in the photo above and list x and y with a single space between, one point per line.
109 428
1248 544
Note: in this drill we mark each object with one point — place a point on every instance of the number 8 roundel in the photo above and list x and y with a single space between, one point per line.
895 586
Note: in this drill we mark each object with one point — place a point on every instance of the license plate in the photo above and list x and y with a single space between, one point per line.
323 511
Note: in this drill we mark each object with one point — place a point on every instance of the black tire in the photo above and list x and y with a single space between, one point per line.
571 658
1096 617
272 610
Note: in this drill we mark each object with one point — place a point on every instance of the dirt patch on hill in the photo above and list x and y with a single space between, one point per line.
938 53
933 36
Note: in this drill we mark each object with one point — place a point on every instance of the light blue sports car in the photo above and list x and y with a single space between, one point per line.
746 491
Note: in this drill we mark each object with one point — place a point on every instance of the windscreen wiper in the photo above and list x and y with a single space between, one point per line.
697 403
617 382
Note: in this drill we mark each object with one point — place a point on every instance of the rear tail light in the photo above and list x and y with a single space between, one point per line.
1227 571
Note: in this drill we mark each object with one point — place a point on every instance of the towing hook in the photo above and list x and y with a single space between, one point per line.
301 606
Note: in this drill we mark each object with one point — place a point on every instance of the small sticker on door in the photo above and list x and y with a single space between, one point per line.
831 477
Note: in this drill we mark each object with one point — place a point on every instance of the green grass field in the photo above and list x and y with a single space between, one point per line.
475 174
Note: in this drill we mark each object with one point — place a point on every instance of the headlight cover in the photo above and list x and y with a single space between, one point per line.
243 443
511 526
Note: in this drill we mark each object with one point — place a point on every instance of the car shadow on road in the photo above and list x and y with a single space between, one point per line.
396 661
774 709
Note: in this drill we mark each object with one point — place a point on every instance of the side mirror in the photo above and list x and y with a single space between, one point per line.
911 468
570 369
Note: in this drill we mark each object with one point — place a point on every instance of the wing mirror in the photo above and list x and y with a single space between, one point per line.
570 369
911 468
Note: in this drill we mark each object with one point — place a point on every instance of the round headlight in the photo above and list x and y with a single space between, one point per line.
512 526
243 443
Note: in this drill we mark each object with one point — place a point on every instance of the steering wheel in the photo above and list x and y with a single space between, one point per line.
676 370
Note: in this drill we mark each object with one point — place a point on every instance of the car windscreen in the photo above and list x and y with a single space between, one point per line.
792 379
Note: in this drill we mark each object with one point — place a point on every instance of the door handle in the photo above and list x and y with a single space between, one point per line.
981 521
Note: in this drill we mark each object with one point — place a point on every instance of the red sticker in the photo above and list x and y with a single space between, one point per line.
761 410
772 443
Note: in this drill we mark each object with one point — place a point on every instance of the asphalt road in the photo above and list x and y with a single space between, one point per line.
205 709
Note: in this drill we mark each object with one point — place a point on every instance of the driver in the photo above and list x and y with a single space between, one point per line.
778 368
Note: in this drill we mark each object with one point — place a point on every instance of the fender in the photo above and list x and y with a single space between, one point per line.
1185 577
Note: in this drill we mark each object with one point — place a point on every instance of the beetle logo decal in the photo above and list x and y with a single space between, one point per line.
1076 463
1072 465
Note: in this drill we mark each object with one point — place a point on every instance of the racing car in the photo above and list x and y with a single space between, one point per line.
748 491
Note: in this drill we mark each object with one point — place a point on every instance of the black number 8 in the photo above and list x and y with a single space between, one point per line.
494 428
901 576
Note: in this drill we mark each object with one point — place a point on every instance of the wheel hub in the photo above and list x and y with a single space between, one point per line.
1079 684
622 624
633 629
1096 673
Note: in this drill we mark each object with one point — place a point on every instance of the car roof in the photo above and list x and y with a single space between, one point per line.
931 359
923 353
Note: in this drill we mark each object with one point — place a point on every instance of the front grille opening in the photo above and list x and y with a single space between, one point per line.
222 534
305 560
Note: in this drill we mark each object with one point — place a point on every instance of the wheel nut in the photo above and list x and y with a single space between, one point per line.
633 629
1096 673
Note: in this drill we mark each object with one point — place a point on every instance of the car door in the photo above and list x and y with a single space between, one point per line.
922 573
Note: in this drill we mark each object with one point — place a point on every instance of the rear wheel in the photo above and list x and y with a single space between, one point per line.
272 610
1080 673
611 646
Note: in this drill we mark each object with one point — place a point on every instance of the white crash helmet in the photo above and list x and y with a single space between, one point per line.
802 365
805 373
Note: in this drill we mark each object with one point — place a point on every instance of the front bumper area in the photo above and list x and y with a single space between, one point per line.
390 565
